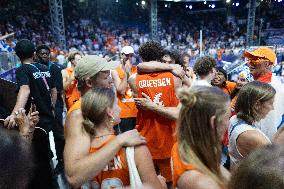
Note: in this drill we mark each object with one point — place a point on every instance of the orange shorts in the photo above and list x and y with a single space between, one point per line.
163 167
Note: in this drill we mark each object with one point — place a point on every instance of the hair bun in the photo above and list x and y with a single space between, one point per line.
89 126
187 97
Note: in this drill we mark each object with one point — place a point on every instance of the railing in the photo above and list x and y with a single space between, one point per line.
8 63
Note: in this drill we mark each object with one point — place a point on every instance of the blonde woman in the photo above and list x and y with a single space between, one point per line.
203 119
101 112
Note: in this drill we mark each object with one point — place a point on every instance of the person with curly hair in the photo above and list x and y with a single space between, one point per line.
151 51
221 81
205 69
170 61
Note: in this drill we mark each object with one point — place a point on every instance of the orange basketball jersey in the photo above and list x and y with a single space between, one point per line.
157 130
178 166
125 101
115 174
71 93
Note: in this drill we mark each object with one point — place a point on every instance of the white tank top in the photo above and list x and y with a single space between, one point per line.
237 127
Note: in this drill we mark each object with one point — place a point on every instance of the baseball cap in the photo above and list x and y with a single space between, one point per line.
90 65
127 50
262 53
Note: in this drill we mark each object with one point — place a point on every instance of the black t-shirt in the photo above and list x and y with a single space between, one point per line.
55 71
38 78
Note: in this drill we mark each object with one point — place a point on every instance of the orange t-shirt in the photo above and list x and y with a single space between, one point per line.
126 102
158 130
229 87
178 166
115 174
71 93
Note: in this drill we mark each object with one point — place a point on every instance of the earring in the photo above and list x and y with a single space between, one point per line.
111 120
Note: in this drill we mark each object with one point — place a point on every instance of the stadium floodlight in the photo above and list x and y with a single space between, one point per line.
143 2
237 4
213 6
190 7
166 5
228 1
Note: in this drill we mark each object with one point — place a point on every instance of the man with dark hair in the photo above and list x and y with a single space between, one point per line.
158 110
205 69
43 57
151 51
36 87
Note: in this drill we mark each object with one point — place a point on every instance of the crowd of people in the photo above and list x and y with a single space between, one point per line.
158 124
104 36
129 112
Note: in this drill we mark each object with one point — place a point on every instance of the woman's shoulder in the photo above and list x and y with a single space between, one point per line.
196 180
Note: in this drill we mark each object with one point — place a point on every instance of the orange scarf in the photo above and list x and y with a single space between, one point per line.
266 78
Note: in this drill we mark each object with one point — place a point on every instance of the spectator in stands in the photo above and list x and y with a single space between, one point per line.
69 82
101 112
186 59
221 81
205 70
255 101
36 86
205 114
262 169
260 63
80 166
43 56
61 59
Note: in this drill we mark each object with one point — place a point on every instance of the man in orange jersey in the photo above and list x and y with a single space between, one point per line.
125 99
156 118
69 82
91 71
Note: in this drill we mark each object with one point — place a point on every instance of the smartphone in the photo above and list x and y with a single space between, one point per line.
33 106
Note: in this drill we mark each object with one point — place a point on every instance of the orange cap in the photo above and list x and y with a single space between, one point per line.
262 52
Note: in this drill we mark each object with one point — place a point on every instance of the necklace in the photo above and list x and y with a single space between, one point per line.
104 135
